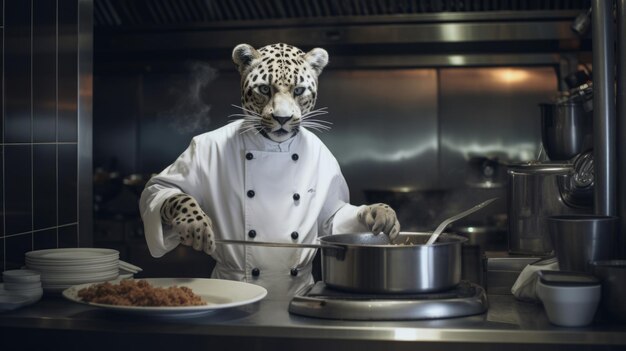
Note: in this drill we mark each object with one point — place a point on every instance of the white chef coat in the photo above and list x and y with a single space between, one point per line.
256 189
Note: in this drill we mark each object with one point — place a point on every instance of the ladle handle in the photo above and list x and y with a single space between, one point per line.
447 222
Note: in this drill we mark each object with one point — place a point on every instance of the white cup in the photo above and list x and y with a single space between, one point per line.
569 306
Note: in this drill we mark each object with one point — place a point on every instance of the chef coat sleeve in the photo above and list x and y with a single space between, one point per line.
180 177
338 215
345 220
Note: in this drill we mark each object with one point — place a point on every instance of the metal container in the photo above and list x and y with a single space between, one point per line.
562 129
613 276
579 240
480 238
487 238
533 195
370 264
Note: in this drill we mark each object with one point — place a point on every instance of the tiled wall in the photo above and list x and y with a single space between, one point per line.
46 127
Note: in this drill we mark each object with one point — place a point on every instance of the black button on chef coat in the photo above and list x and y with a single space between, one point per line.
296 197
249 156
252 233
250 193
295 157
294 235
256 272
294 271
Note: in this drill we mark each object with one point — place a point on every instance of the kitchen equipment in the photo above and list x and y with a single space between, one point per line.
577 189
563 129
612 273
569 298
579 240
502 271
485 172
370 264
448 221
276 244
487 238
480 238
321 301
533 195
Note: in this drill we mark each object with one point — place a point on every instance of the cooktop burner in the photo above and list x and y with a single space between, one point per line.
319 301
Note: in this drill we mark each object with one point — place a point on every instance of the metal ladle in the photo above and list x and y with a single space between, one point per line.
447 222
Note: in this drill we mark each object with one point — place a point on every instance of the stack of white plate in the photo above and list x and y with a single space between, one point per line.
21 287
63 268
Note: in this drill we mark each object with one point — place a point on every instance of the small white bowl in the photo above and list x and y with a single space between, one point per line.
569 305
22 286
33 295
11 302
21 276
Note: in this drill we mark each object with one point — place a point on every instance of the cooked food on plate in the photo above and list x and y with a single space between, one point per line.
130 292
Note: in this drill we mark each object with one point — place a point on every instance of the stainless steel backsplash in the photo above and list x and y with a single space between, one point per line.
420 139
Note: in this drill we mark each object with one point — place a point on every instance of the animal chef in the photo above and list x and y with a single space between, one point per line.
265 177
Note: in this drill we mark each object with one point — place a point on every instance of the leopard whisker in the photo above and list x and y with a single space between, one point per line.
314 113
309 117
319 109
246 110
316 129
239 115
251 128
318 121
316 125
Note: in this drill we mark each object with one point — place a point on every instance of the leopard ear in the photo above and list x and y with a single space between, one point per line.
243 56
317 58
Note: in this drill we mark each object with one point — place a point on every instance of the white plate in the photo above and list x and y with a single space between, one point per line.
82 268
71 255
80 279
218 294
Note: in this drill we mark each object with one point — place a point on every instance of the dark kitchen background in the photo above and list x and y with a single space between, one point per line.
429 101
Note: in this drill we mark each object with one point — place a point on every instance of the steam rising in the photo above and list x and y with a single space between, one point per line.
190 114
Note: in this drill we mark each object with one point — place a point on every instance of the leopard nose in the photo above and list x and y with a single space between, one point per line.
281 120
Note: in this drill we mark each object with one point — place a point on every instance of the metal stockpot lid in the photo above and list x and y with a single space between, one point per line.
543 168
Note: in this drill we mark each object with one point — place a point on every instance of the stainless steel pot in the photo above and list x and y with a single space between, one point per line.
533 195
562 129
613 275
368 263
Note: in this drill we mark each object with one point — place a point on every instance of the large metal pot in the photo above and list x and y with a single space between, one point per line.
367 263
533 195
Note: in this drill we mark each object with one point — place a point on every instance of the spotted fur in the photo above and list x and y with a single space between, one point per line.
193 226
279 88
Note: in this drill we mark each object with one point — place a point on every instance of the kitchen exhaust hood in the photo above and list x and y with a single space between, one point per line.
389 32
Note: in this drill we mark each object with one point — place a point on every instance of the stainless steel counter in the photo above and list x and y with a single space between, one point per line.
268 325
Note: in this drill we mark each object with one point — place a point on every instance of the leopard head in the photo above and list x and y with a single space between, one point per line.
278 87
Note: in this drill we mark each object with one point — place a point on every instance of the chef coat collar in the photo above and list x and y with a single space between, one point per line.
256 141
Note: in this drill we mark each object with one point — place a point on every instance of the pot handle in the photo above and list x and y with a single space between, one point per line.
275 244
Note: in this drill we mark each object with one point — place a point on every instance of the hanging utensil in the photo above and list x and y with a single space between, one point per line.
447 222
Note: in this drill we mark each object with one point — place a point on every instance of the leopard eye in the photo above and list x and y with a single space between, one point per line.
264 89
298 91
